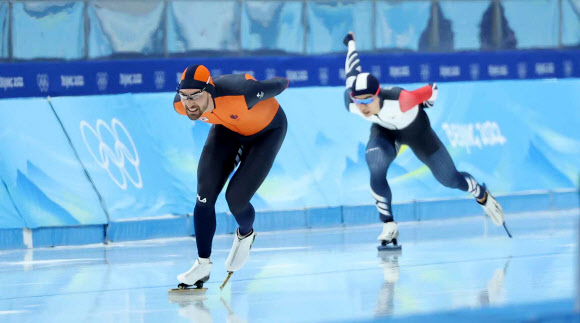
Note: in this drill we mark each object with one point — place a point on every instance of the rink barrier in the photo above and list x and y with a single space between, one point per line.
319 174
64 236
41 79
12 239
325 217
160 227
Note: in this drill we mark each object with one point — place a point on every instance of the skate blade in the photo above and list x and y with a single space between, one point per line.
389 247
227 279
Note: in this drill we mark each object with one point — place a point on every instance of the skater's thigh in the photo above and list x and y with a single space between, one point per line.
436 156
256 161
381 149
217 161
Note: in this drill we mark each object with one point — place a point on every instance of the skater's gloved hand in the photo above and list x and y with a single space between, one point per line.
429 103
347 38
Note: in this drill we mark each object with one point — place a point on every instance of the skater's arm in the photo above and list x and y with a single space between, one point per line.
425 95
263 90
352 67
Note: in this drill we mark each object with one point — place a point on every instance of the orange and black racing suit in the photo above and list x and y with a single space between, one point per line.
248 129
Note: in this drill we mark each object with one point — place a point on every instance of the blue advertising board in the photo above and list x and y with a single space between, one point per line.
162 75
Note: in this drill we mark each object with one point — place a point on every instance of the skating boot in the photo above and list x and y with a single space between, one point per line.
388 237
492 208
197 275
239 254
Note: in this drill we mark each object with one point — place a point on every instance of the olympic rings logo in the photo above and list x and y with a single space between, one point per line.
114 160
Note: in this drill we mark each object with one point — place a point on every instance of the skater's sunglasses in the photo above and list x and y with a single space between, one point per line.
193 96
367 100
362 101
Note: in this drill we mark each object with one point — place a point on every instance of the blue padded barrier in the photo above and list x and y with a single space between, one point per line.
64 236
140 229
11 239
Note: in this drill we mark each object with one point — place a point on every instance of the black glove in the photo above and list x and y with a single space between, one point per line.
347 38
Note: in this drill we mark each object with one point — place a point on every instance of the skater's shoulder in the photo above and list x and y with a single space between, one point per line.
390 93
230 78
233 84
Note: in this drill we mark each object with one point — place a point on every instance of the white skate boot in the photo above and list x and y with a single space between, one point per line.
239 254
389 235
197 275
492 208
240 251
494 211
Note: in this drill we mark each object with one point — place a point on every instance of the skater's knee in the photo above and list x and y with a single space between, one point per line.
377 171
205 203
206 196
451 180
236 203
237 207
379 183
378 174
378 161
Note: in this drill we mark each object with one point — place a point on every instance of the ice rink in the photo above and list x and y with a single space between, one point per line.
464 265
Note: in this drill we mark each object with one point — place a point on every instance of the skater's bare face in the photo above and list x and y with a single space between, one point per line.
196 102
367 109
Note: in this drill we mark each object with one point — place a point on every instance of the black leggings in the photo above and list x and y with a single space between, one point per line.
222 151
382 149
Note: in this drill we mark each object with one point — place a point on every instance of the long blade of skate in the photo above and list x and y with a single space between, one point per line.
227 279
506 230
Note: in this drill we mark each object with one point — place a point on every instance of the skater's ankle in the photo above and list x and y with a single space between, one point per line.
204 260
482 200
242 236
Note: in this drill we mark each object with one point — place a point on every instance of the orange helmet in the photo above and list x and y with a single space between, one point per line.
197 77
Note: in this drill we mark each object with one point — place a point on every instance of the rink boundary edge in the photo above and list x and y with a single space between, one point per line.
182 225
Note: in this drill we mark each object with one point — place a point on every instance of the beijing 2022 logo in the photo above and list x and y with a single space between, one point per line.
114 150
